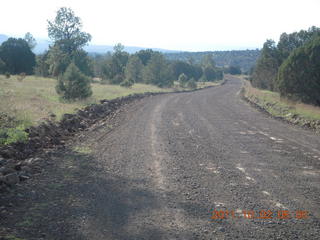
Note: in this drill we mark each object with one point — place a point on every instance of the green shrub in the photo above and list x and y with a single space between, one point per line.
74 84
2 66
12 135
117 79
7 75
126 83
21 77
183 79
192 84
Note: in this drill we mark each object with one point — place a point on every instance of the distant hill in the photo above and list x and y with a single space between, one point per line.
3 38
43 44
100 49
245 59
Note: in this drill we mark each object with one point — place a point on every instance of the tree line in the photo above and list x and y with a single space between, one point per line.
291 67
241 59
74 69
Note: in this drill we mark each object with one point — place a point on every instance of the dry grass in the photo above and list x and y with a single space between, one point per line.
207 84
277 106
34 99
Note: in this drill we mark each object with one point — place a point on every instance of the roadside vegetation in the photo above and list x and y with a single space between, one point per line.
291 67
298 113
286 79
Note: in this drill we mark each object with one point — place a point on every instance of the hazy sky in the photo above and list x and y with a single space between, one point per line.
171 24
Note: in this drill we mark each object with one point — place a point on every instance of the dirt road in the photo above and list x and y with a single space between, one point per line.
163 167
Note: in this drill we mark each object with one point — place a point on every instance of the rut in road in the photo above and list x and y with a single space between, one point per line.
167 161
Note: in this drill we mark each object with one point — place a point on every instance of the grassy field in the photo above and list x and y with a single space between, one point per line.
280 107
33 99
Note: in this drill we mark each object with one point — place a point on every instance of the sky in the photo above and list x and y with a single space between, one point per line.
190 25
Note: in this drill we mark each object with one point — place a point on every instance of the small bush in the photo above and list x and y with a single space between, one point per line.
126 83
118 79
183 79
12 135
21 77
192 84
7 75
74 84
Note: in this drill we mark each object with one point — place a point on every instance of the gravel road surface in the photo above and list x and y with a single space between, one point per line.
197 165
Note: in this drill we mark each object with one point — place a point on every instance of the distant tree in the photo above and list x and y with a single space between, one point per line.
118 48
191 70
145 55
209 73
207 61
58 60
133 70
42 67
99 61
197 72
191 60
120 59
2 66
180 67
83 62
74 84
127 83
266 69
158 72
65 30
117 79
114 68
30 40
17 56
219 74
183 79
234 70
299 74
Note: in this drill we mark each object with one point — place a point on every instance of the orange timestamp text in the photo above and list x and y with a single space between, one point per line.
262 214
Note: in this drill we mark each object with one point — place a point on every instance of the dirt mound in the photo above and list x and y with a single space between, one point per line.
16 163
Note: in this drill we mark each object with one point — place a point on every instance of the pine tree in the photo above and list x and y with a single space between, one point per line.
133 70
299 75
73 84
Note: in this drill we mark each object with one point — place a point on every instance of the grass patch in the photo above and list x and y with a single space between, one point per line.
82 150
280 107
209 84
34 99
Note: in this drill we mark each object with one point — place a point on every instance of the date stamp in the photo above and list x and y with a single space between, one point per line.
261 214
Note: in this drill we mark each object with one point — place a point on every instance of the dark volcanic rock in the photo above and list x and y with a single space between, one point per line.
11 178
